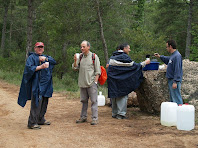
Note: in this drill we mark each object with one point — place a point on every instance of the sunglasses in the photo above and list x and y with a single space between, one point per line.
39 46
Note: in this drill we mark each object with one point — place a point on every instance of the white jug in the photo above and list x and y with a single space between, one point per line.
101 99
185 117
168 116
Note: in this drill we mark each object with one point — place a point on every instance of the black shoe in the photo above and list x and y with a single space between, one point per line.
114 116
36 126
124 117
45 123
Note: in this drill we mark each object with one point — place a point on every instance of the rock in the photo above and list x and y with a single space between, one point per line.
189 88
108 102
132 100
153 91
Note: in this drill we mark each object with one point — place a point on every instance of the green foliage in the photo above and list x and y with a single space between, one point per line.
11 77
143 42
67 83
194 47
171 20
15 63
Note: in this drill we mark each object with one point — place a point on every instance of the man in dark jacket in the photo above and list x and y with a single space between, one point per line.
174 71
37 86
124 76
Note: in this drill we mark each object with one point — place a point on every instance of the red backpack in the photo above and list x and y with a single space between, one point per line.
103 77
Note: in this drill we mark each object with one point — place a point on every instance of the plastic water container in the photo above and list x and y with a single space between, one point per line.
152 66
168 116
101 99
186 117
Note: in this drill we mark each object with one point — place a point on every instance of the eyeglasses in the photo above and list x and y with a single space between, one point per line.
39 46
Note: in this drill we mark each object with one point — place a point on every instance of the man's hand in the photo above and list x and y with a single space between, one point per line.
107 65
147 61
174 86
157 55
42 58
44 65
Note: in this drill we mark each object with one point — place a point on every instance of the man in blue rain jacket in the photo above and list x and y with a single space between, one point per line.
124 76
37 85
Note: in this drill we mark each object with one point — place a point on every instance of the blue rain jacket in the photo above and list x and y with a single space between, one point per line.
123 79
36 83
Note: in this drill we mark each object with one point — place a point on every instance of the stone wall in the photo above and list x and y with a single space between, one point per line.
189 88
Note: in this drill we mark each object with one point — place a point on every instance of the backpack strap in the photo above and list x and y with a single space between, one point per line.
93 57
81 55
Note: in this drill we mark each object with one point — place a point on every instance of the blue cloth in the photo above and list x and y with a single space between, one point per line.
175 94
36 83
174 68
123 79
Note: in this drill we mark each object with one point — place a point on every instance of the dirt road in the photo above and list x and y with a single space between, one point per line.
139 131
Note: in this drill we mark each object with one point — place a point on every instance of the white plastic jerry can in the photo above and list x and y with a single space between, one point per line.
168 115
185 117
101 99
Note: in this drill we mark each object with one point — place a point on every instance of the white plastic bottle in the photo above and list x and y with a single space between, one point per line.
101 99
186 117
168 115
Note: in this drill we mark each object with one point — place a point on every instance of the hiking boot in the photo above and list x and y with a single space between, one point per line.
45 123
94 122
121 117
36 126
81 120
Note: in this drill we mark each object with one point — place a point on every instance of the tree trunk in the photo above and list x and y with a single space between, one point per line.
102 32
4 29
64 66
11 24
188 38
64 51
30 27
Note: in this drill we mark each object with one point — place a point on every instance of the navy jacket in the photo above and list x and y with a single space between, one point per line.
123 79
174 68
36 83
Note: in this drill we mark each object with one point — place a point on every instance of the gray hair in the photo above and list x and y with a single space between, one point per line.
88 44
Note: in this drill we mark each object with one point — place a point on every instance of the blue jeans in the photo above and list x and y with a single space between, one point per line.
119 106
175 94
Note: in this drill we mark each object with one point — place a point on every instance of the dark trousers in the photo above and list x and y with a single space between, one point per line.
37 113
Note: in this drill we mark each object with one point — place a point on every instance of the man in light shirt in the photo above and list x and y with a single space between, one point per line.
88 65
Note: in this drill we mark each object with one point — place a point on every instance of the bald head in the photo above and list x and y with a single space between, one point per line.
85 47
87 43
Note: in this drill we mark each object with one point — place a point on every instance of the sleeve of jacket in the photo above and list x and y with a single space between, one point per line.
165 59
177 69
30 67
